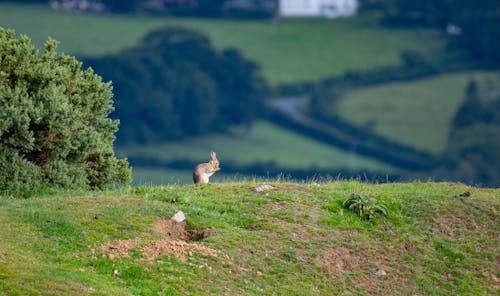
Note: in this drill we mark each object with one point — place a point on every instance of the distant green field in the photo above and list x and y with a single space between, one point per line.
148 176
264 143
415 113
287 50
154 176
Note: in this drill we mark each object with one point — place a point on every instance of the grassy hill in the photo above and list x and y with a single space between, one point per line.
287 50
294 239
416 113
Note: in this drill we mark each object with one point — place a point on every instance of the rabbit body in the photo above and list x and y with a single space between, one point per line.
203 171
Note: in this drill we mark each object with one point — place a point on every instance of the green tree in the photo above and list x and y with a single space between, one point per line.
209 8
54 125
120 6
480 23
471 109
174 84
475 154
473 149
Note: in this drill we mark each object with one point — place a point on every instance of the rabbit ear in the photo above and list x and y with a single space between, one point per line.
212 153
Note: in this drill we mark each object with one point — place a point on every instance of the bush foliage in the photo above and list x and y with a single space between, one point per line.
54 125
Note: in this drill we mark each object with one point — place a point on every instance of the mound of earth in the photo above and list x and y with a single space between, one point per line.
180 249
177 242
177 231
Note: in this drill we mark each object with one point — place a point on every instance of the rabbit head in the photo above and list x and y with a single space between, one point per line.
203 171
214 162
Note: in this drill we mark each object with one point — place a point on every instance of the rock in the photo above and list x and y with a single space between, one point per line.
263 187
380 272
178 217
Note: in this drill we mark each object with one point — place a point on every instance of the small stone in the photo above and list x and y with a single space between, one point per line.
116 272
380 272
178 217
259 273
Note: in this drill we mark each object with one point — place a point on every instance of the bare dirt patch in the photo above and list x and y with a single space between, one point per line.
296 189
341 260
118 248
455 225
177 242
173 230
493 281
410 247
263 188
180 249
178 231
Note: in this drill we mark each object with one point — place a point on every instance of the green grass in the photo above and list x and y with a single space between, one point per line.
416 113
287 50
294 240
265 142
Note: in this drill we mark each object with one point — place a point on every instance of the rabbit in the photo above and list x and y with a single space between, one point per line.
203 171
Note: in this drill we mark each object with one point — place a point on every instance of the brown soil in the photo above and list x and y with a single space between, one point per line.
177 231
118 248
176 242
455 225
340 259
173 230
180 249
410 247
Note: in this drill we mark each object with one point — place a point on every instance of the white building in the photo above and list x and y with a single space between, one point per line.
313 8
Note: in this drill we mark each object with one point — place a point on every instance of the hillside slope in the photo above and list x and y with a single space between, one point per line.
292 239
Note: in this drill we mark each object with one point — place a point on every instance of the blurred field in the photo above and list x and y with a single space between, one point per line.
287 50
147 176
416 113
154 176
265 142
